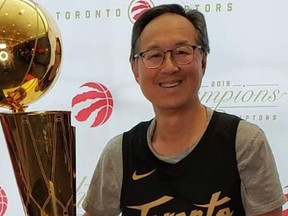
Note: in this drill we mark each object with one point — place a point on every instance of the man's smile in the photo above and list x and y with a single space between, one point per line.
170 84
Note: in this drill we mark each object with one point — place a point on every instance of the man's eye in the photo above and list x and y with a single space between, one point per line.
181 52
153 55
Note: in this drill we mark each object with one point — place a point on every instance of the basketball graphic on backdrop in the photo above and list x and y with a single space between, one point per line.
138 7
94 100
3 202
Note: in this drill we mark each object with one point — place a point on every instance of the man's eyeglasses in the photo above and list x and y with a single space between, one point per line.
154 58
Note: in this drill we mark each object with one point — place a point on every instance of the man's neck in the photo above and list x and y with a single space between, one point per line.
175 133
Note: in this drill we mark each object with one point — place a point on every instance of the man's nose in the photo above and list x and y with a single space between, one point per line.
169 64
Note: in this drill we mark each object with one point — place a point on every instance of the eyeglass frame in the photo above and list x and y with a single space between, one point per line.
141 54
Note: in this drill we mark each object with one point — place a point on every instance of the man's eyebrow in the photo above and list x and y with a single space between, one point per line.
184 42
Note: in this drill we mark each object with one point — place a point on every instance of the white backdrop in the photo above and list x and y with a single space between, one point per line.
246 75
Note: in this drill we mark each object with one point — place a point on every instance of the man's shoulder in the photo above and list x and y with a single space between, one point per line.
140 126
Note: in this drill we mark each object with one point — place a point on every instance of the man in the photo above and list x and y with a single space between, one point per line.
188 160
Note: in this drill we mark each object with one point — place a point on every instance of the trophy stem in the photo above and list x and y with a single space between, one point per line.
42 151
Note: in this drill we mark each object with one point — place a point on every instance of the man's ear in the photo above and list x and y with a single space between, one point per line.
134 67
204 63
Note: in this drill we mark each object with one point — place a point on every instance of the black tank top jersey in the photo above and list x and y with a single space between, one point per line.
206 182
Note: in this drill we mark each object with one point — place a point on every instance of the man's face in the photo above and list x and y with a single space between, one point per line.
170 86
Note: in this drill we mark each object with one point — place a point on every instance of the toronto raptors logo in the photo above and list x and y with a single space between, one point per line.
3 202
138 7
95 99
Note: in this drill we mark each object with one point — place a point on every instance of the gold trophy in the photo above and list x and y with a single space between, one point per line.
41 144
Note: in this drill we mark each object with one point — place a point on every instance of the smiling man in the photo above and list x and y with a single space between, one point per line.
189 159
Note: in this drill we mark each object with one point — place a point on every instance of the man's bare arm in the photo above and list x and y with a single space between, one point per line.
276 212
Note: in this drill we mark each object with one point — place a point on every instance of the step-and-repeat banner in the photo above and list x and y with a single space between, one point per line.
247 75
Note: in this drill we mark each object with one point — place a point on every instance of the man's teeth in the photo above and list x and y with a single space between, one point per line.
169 85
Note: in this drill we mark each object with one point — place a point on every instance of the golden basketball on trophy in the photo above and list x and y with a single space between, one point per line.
41 144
